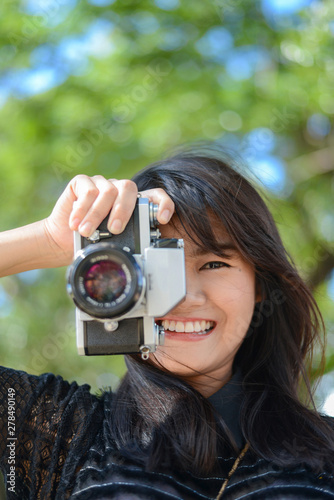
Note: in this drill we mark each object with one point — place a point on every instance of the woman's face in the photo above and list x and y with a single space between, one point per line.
204 333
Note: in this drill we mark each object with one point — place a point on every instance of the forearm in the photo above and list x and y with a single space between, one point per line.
29 247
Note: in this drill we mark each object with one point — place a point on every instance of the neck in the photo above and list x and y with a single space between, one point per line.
208 384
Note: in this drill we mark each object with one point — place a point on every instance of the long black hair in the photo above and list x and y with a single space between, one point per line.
158 419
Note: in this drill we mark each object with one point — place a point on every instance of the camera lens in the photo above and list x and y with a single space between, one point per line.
105 281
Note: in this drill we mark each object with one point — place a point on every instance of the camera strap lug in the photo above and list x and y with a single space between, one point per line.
145 351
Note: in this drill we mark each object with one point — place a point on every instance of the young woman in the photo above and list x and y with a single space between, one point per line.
217 411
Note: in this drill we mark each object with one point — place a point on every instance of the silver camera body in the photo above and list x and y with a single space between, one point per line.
120 283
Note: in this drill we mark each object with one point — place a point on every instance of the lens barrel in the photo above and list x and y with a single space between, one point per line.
105 281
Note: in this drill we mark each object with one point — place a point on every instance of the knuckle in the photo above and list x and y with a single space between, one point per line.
160 191
110 189
164 196
80 177
129 185
92 191
75 181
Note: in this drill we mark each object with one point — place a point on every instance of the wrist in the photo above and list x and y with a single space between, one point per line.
55 253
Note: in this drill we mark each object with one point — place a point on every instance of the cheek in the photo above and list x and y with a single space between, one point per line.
235 288
235 296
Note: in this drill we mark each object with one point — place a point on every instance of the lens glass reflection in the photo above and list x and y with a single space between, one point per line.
105 281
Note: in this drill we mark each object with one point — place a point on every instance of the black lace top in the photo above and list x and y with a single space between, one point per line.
55 443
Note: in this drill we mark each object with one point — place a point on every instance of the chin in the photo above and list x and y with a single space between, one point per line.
179 366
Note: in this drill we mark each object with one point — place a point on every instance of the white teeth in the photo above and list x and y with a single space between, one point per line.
189 327
199 327
179 327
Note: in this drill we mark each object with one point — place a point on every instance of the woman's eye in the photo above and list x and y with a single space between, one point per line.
214 265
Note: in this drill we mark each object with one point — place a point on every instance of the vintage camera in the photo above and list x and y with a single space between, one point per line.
120 283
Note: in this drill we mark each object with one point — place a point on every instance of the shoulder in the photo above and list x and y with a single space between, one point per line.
259 479
48 391
57 421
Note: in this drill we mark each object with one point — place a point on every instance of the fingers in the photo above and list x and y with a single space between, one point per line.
161 198
123 205
94 197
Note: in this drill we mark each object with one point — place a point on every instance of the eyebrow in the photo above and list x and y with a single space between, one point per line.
227 249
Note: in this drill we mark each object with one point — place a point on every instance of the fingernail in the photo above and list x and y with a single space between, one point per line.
86 229
116 226
165 216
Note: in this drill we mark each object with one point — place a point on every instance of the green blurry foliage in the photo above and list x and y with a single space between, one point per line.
157 89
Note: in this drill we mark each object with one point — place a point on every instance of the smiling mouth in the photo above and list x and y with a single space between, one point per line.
201 327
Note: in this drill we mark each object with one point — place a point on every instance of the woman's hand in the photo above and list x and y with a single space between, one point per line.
83 205
86 201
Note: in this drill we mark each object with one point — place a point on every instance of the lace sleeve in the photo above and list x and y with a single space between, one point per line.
44 424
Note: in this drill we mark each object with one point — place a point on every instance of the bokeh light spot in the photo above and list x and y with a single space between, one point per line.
167 4
318 125
230 120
